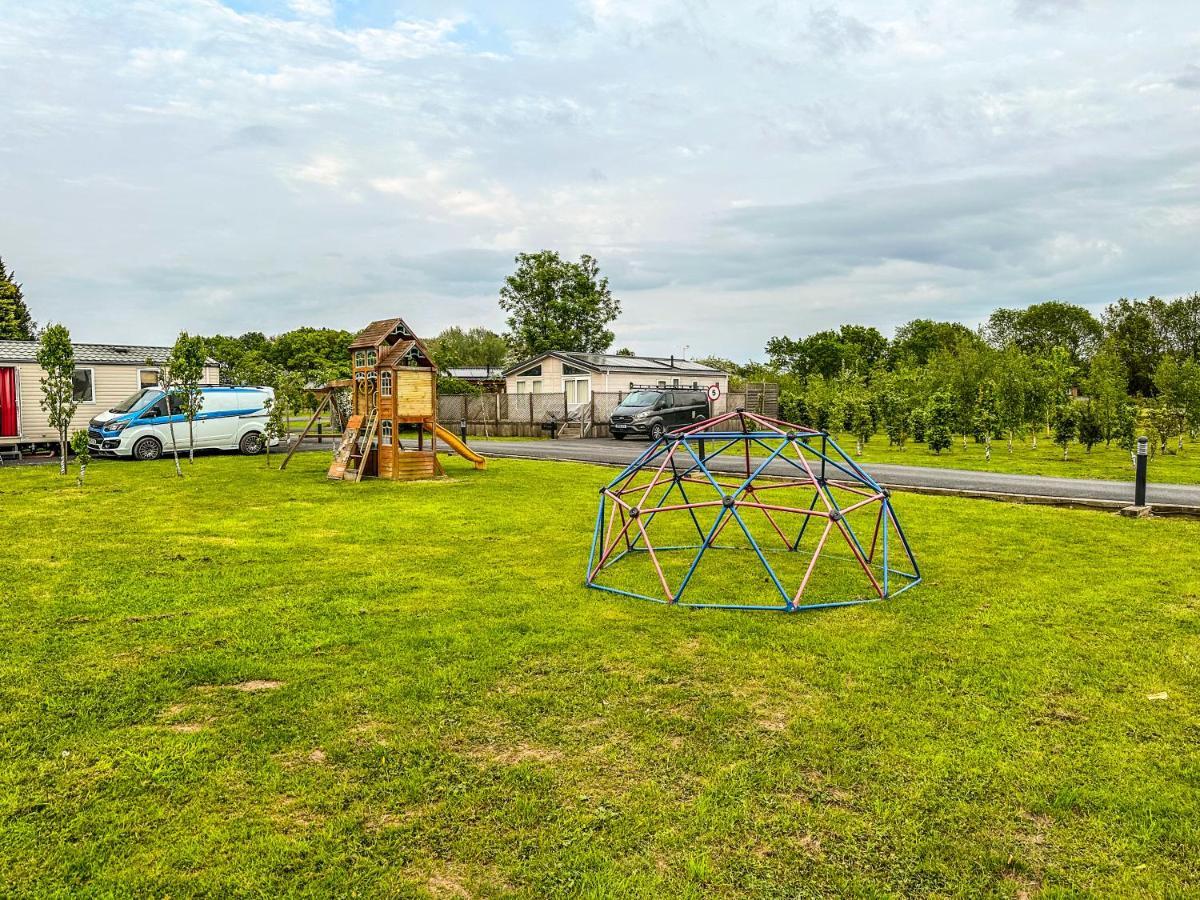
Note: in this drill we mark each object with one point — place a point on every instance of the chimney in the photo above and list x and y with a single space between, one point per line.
672 360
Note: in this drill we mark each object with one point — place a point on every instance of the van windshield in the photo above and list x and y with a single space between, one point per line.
137 401
641 398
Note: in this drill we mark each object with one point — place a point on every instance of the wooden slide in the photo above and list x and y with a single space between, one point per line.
458 446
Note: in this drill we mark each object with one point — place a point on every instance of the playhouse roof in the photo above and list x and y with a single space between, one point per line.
375 333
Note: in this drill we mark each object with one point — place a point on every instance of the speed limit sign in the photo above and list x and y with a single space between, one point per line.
714 392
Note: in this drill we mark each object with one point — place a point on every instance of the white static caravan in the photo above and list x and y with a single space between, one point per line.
105 374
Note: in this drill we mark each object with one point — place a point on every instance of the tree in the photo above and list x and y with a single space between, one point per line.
79 445
625 351
1012 392
555 304
1064 424
478 346
56 356
187 361
168 380
939 420
1040 328
1091 431
1136 337
1106 386
987 415
919 339
275 427
16 324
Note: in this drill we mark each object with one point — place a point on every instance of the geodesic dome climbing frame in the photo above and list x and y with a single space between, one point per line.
743 511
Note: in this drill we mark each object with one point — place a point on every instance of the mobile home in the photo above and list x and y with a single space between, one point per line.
105 374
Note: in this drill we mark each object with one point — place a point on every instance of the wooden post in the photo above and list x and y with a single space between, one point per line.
304 433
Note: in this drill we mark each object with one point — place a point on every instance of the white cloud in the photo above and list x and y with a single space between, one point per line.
781 170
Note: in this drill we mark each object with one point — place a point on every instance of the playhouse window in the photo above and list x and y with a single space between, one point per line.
360 359
371 358
385 384
386 432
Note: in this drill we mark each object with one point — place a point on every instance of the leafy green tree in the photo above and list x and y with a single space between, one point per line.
625 351
920 339
1040 328
275 427
79 446
187 361
987 415
918 423
1136 336
895 394
939 421
556 304
820 399
16 324
1170 382
1091 431
448 385
1012 375
56 356
479 346
1064 423
1106 386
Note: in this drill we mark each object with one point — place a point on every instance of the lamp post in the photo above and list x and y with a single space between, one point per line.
1139 487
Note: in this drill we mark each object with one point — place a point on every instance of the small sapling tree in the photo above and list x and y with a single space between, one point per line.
56 356
79 445
1064 424
939 421
275 427
168 380
187 368
1091 429
986 415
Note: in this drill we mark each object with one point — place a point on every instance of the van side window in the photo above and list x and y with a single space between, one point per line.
668 400
158 410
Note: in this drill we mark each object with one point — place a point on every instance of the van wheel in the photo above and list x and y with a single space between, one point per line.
251 444
657 430
147 448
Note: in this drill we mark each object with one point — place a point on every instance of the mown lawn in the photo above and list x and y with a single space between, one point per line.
1112 463
254 682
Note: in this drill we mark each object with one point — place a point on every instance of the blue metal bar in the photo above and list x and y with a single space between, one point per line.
883 517
762 559
703 547
613 590
804 525
907 549
596 537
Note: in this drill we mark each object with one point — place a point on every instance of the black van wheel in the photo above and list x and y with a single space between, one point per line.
657 430
251 444
147 449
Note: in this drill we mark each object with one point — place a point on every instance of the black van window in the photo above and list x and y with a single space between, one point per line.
156 411
668 400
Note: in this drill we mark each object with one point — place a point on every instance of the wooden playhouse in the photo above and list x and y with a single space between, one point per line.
393 388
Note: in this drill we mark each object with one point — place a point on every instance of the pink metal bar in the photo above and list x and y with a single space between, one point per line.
654 558
858 556
812 563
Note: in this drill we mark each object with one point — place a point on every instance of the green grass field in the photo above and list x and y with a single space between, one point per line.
1112 463
260 683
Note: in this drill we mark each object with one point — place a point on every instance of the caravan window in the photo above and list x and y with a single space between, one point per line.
83 387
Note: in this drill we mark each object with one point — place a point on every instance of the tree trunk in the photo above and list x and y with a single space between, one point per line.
987 448
859 446
191 443
1010 440
1035 440
1064 451
174 443
62 451
82 474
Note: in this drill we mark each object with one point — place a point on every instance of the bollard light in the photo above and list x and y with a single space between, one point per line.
462 429
1139 487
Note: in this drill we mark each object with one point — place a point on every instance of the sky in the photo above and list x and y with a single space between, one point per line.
739 170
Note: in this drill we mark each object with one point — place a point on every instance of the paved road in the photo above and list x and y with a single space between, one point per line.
610 452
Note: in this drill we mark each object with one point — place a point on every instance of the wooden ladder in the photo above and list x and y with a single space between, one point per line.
363 445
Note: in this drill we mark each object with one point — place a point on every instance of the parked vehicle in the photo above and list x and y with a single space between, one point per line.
655 411
230 418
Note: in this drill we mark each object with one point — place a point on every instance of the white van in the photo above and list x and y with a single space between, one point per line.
230 418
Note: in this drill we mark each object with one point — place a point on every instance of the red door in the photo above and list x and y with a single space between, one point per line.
8 402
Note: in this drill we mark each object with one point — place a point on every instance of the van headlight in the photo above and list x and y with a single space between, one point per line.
116 427
641 415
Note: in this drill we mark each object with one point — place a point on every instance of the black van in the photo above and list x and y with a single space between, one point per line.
655 411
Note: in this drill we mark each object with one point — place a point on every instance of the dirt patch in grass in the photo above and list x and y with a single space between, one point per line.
514 754
251 687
